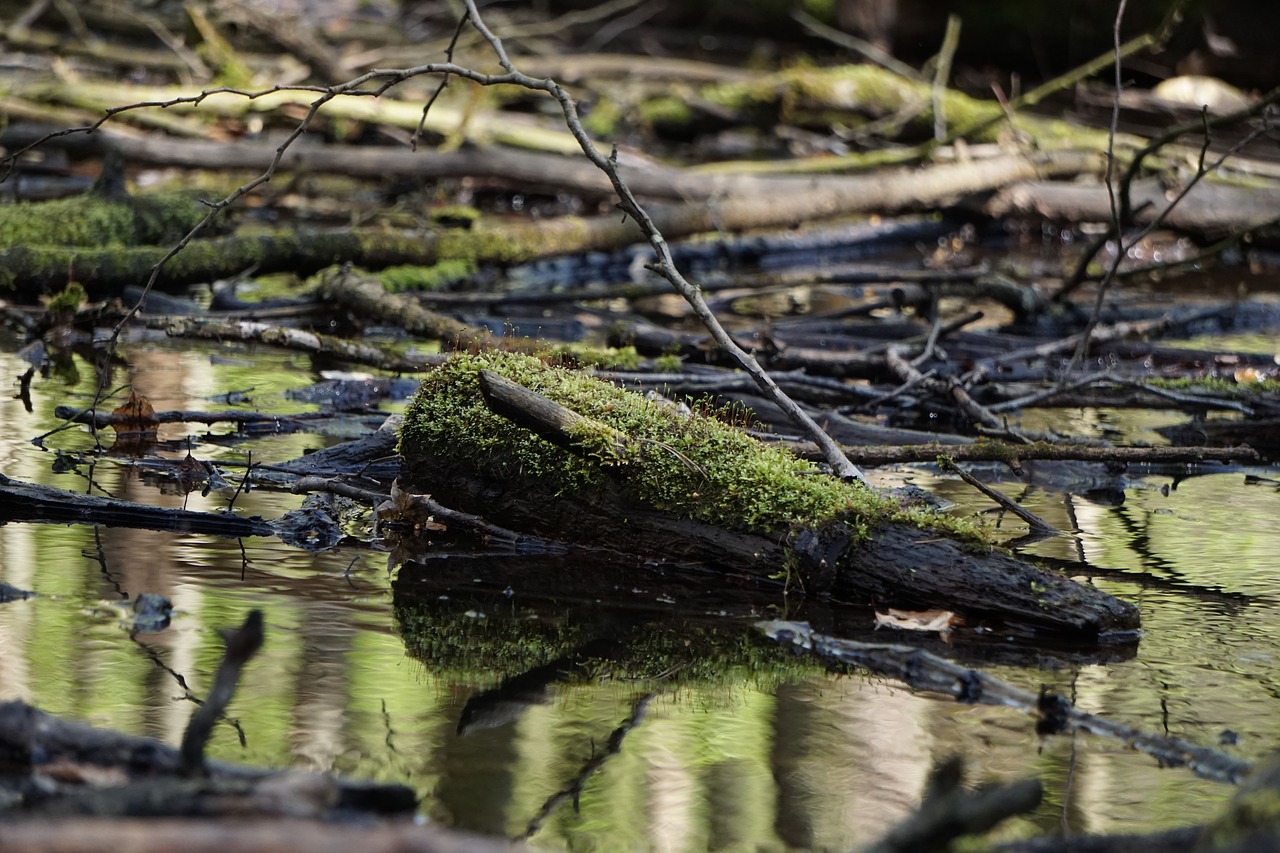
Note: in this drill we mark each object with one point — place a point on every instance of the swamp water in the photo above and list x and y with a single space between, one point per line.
770 755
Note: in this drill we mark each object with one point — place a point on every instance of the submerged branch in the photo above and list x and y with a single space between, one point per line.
924 671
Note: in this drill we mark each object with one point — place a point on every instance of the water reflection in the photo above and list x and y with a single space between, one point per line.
737 749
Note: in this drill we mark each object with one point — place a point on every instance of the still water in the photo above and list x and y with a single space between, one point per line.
756 758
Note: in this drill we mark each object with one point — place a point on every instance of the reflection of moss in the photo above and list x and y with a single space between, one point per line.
477 647
473 643
689 465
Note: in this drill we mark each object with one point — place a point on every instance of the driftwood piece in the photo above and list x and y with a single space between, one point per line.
666 495
105 418
999 451
296 339
1209 208
21 501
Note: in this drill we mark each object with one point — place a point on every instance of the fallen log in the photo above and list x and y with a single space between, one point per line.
583 460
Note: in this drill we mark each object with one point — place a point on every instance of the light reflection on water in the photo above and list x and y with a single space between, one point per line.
819 762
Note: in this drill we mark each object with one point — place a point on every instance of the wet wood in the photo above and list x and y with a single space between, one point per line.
899 565
21 501
262 835
31 739
1055 714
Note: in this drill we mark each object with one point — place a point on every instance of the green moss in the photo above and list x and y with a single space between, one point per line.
90 220
604 358
666 112
602 121
65 303
692 466
454 215
1220 386
670 363
426 278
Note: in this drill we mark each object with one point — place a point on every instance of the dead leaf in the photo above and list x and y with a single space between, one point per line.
940 621
135 415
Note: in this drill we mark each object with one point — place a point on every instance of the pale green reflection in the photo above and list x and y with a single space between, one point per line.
739 758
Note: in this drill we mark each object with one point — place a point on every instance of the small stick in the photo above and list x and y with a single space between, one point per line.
1037 524
242 644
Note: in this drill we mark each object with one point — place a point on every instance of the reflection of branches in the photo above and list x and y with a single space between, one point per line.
574 788
187 694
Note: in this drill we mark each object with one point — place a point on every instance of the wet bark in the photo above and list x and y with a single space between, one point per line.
898 565
31 502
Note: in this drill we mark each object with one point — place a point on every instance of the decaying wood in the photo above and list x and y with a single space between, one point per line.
898 564
366 297
31 502
31 739
1210 207
997 451
177 416
296 339
924 671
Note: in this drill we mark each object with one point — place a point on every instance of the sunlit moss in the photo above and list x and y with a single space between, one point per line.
666 111
67 301
1221 386
602 121
91 220
426 278
454 215
690 465
668 363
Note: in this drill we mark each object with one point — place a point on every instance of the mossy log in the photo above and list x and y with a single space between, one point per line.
621 472
36 260
94 219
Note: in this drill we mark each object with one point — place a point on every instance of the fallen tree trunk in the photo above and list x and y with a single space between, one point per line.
586 461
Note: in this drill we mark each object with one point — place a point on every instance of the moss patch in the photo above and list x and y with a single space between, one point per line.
90 220
690 465
414 277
